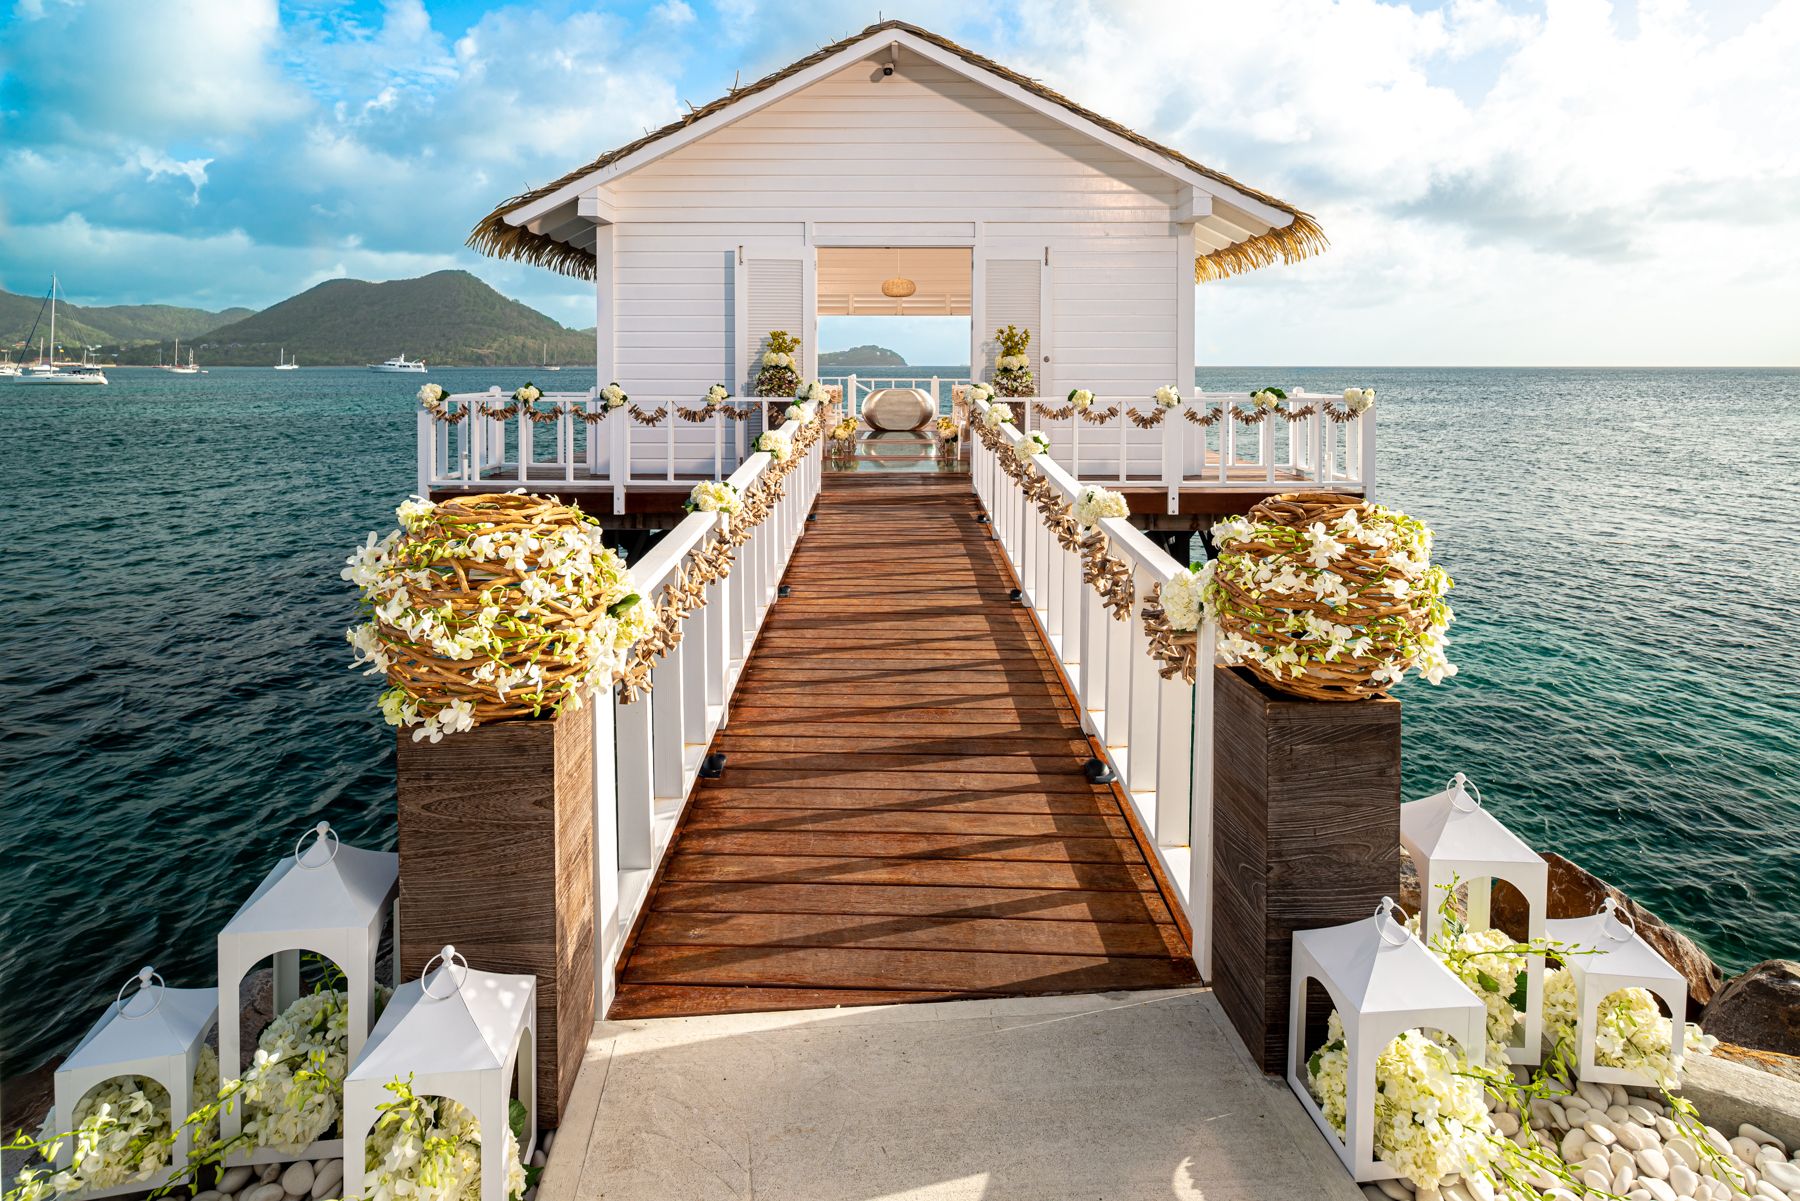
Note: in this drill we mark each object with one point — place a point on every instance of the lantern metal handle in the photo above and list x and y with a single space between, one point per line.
449 956
1618 925
145 977
322 831
1460 796
1387 925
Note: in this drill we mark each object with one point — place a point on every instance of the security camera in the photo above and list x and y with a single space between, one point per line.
887 69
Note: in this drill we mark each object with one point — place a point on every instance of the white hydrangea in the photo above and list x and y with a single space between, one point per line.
1167 397
431 395
717 394
980 391
996 416
811 390
710 496
1093 504
794 413
1265 400
527 393
1082 399
776 443
613 396
1183 597
1359 400
1036 443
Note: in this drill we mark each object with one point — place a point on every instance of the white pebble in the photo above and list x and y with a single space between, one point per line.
1665 1127
1717 1138
1653 1163
265 1192
1374 1194
1617 1113
1455 1192
1637 1113
1559 1194
319 1164
208 1195
1683 1150
1623 1179
1636 1137
328 1178
297 1181
1684 1180
1616 1095
234 1179
1744 1148
1394 1189
1479 1187
1595 1095
1572 1144
268 1172
1594 1179
1765 1189
545 1139
1429 1194
1757 1134
1659 1189
1782 1175
1506 1122
1559 1117
1600 1133
1639 1194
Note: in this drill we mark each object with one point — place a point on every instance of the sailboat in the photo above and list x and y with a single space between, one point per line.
7 366
175 368
46 372
282 363
547 366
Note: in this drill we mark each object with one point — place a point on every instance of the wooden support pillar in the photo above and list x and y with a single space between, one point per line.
1306 833
496 857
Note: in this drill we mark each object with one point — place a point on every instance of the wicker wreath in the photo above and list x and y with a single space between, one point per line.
1375 598
493 606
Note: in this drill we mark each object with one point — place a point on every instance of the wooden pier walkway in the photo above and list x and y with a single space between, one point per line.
903 815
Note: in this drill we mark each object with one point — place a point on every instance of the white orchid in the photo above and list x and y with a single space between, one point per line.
1322 546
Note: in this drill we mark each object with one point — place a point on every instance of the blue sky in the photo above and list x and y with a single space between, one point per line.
1569 181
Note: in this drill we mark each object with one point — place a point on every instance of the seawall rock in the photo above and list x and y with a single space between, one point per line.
1759 1009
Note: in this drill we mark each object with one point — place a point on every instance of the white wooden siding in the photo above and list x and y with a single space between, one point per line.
922 154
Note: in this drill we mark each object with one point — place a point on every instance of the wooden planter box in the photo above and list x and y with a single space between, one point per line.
496 857
1306 833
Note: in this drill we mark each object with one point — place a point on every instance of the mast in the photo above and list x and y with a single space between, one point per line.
53 322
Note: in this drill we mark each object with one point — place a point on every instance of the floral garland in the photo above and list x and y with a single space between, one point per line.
778 375
489 606
1171 617
1012 370
1329 599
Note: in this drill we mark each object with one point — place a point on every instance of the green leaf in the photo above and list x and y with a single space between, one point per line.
515 1117
1312 1065
623 606
1517 997
1488 983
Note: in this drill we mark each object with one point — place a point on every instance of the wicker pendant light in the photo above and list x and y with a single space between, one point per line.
898 286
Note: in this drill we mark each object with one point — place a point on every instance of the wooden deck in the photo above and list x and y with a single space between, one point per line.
903 815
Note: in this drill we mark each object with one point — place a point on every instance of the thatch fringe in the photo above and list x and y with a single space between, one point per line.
493 236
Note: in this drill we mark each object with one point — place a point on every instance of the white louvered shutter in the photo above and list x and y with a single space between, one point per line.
775 298
1014 290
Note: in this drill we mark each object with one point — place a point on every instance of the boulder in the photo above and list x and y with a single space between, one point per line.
1577 892
1759 1009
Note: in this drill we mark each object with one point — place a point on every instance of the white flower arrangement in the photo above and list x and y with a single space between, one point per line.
1267 399
429 1149
122 1133
1291 590
1631 1032
947 429
774 358
1082 399
979 391
794 413
1012 368
776 443
613 396
1036 443
778 375
1183 597
1093 504
997 415
811 390
430 395
519 582
710 496
1431 1118
526 393
1359 400
717 394
1167 397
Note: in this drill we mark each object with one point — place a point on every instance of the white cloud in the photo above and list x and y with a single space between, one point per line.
155 164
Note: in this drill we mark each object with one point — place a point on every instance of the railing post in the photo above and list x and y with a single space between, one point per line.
1365 433
1266 446
525 439
607 933
850 404
665 716
637 795
427 454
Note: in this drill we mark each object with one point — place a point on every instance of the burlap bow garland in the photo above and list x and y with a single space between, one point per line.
685 592
1106 573
1176 652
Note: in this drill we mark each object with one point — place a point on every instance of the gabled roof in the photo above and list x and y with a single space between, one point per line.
1291 236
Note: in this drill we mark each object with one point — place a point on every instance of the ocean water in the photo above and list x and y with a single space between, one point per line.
179 709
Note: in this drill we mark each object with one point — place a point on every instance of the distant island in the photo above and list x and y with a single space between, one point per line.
448 318
861 356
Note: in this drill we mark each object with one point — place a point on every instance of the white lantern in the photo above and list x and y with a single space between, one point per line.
1383 982
326 898
1451 837
1616 957
455 1033
156 1033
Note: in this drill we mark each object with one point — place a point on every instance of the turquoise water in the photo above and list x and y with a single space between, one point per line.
179 710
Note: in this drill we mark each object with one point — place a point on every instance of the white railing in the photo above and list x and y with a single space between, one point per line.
1290 447
1156 733
648 754
574 443
858 388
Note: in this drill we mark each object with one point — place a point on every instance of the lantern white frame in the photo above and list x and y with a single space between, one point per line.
1452 837
1617 957
1383 982
327 898
156 1035
457 1033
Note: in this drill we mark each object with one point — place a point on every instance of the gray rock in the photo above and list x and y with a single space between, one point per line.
268 1172
297 1181
328 1180
270 1191
234 1179
1759 1009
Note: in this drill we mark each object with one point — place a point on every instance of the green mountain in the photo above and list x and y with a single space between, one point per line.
447 318
102 325
861 356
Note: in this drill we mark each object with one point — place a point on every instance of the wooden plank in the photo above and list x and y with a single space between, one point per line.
683 1000
1021 904
910 821
996 935
1045 741
1033 848
999 873
839 780
814 967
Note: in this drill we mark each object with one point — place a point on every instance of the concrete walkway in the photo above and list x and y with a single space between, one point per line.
1117 1096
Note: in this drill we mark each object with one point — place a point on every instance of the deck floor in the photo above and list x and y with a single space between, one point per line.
903 814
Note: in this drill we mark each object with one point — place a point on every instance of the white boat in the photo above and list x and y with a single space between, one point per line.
7 366
402 364
176 368
283 364
46 370
547 366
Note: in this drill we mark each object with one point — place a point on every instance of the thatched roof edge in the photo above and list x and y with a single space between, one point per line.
1300 239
